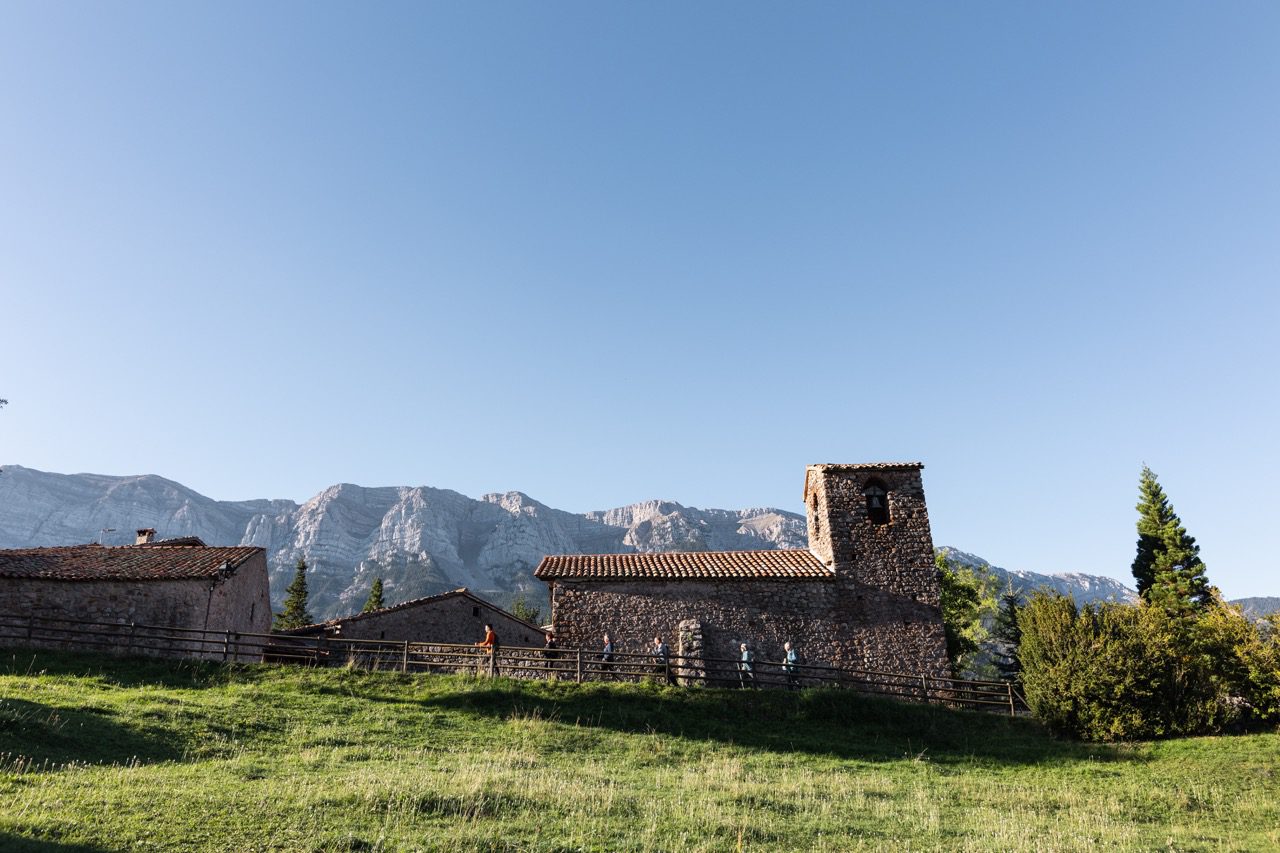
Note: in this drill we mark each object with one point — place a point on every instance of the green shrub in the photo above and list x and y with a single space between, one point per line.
1121 672
1247 657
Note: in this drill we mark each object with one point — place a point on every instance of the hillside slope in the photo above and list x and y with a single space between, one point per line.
104 754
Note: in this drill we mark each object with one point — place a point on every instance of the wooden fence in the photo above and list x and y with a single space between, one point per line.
576 665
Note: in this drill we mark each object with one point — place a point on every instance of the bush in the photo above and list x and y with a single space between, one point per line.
1121 672
968 602
1248 657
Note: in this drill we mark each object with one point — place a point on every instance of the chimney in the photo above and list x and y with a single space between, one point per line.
146 535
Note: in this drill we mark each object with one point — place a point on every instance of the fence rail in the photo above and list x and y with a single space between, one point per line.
577 665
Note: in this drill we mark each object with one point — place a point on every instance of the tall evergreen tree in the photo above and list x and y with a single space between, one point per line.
295 613
374 601
1154 512
522 609
1168 567
1007 634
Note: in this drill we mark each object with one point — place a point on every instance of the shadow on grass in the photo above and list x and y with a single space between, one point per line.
17 844
840 724
120 670
44 734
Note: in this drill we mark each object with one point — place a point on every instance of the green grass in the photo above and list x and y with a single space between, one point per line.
100 753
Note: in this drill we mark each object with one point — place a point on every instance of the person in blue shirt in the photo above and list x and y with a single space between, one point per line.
791 665
746 667
662 657
606 657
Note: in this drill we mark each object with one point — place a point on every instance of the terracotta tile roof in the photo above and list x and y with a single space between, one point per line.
129 562
718 565
866 466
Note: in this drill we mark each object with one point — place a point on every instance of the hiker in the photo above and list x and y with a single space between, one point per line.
662 657
791 666
746 667
490 645
606 658
549 652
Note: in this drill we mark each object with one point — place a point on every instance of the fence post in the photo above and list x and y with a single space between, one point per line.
491 661
132 629
404 657
579 675
924 687
1012 711
226 644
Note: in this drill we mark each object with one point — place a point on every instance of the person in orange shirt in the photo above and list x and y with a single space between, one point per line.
490 642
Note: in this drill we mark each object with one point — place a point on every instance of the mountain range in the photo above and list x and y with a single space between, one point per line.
420 540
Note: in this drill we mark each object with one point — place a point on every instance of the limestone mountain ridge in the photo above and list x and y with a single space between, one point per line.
421 540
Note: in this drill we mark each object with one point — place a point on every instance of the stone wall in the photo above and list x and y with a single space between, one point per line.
872 630
238 602
763 614
447 619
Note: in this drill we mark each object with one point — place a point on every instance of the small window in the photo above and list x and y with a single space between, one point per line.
475 611
382 635
877 497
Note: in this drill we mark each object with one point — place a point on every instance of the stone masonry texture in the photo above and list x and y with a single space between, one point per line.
879 609
235 602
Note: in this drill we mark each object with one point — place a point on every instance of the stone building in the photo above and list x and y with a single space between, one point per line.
450 617
168 584
863 595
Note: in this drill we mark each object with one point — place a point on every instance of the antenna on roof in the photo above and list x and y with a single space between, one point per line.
103 532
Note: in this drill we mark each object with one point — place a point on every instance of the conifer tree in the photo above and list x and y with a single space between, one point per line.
521 609
375 597
1154 513
295 613
1008 636
1167 567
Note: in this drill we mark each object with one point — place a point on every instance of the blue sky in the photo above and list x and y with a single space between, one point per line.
602 253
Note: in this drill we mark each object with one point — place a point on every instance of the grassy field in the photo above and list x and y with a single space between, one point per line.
100 753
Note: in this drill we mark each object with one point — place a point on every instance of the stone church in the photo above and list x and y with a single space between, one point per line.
863 595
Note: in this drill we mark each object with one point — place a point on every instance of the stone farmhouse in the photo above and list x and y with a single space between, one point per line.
864 594
176 583
450 617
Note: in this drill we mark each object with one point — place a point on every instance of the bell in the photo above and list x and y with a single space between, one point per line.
875 502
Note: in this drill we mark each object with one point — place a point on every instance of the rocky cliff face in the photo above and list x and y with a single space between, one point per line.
420 540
